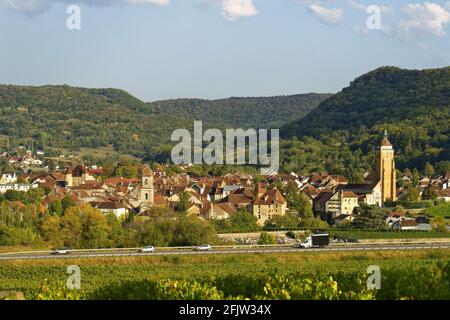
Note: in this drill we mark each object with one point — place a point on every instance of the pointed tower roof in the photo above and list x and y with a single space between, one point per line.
385 142
147 171
69 169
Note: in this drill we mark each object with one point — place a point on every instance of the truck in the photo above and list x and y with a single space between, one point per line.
315 241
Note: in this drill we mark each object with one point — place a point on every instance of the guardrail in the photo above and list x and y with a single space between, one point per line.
244 251
156 248
255 247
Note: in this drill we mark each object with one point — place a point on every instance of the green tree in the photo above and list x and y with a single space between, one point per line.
127 169
80 227
429 194
302 204
415 178
56 208
163 227
183 204
441 210
35 195
14 195
412 194
314 223
439 225
266 238
95 228
67 202
429 170
119 236
51 231
369 217
243 220
289 220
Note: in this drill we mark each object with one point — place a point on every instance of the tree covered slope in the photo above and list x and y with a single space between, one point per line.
64 117
259 112
414 105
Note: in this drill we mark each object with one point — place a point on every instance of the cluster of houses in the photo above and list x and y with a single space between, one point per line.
207 197
332 197
23 158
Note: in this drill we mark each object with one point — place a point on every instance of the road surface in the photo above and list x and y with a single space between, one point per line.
132 252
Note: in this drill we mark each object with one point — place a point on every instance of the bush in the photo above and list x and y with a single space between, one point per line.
416 204
289 220
166 228
241 221
266 238
314 223
291 234
440 210
439 225
13 236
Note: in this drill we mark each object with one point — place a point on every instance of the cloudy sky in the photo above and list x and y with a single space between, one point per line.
158 49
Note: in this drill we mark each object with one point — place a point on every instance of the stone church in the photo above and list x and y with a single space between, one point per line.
378 188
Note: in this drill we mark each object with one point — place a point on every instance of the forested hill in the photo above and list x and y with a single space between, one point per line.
342 132
385 95
259 112
64 117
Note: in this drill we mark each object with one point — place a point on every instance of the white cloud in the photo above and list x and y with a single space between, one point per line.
363 8
155 2
424 18
327 15
34 7
233 9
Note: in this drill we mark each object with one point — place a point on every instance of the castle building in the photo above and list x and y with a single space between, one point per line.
76 176
385 170
147 195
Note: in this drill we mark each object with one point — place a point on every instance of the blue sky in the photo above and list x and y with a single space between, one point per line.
158 49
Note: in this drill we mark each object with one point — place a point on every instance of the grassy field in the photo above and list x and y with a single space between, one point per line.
99 153
404 273
105 152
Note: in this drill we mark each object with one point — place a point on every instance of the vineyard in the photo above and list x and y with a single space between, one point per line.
404 275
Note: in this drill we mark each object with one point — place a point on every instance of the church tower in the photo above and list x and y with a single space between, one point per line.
68 176
147 191
385 170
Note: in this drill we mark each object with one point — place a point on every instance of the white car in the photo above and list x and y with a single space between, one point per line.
61 251
203 247
147 249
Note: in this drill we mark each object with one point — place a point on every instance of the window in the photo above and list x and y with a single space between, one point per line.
146 196
146 182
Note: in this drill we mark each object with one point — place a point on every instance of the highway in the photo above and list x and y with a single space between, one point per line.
132 252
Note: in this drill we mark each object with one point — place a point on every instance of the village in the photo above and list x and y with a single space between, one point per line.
332 197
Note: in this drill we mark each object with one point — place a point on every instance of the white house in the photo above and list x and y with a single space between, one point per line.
113 207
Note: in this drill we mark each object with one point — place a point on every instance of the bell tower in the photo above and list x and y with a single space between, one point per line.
147 191
385 170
